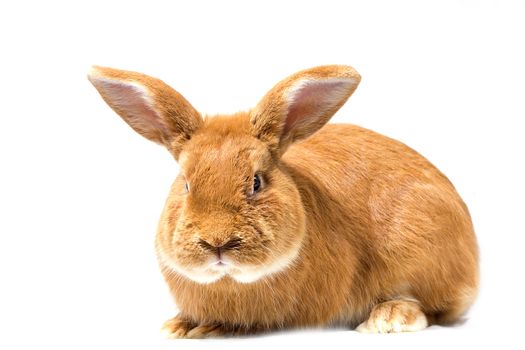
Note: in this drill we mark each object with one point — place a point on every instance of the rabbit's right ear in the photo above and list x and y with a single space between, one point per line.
148 105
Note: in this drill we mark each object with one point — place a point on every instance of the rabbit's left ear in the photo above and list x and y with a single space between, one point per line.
148 105
301 104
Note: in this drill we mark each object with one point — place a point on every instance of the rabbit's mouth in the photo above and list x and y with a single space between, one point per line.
221 264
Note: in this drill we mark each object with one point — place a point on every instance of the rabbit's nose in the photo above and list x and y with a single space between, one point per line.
232 243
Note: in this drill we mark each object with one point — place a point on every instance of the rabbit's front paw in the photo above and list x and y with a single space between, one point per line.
179 327
393 317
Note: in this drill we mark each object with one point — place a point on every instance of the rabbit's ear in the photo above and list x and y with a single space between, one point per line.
148 105
301 104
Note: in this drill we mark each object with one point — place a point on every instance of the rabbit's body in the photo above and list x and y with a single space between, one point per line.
278 222
396 220
383 223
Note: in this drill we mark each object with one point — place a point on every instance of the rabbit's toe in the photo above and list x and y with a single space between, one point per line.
179 327
393 317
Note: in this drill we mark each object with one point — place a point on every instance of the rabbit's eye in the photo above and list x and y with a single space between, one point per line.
257 183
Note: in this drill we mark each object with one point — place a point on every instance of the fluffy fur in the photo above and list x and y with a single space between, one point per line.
348 228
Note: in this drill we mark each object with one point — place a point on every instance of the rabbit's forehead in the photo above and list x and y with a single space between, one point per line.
231 153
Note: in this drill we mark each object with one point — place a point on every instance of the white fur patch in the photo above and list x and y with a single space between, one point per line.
201 275
252 274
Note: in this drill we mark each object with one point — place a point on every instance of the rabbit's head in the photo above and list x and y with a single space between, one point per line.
233 210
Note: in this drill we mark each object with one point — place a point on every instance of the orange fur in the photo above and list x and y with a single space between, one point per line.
347 221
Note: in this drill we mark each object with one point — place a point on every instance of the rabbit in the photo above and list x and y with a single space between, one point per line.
278 220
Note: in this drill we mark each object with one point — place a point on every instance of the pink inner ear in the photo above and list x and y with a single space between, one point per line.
312 100
135 104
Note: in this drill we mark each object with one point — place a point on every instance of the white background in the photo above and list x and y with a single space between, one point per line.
81 193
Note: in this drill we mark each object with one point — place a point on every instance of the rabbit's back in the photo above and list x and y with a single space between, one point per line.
407 226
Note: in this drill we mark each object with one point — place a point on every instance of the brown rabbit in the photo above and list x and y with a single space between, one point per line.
277 220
